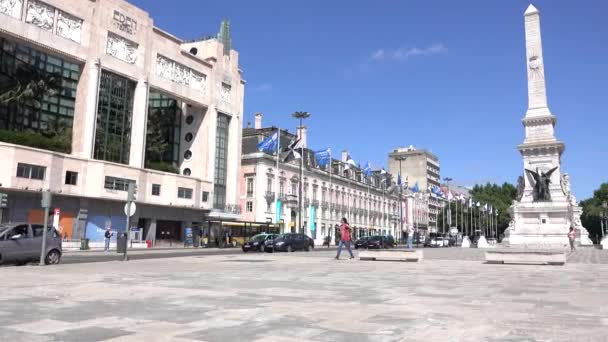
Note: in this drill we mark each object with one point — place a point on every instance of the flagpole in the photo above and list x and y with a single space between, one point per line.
331 228
276 180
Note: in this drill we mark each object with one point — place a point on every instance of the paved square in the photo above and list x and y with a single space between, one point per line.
303 297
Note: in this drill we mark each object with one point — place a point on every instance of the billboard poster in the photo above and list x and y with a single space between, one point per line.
97 224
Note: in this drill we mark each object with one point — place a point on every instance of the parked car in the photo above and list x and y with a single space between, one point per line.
361 242
436 240
258 242
379 241
290 242
21 243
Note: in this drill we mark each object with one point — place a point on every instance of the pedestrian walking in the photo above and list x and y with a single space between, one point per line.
410 238
344 238
571 237
107 237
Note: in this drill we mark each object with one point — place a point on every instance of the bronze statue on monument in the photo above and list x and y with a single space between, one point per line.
541 184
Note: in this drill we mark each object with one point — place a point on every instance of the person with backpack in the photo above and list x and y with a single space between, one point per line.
344 239
108 236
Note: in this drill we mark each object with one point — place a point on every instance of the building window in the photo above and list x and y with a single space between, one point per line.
249 206
221 161
249 187
294 188
50 115
269 185
184 193
268 207
188 137
115 107
71 177
163 133
30 171
205 196
155 189
282 188
120 184
187 172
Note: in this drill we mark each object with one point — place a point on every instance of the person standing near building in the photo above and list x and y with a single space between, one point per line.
571 238
344 239
107 237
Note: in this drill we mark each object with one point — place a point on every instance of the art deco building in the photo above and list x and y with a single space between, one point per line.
133 104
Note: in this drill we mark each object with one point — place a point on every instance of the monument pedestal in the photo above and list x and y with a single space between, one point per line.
466 242
482 242
604 243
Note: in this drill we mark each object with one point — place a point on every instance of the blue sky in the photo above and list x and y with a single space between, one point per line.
449 76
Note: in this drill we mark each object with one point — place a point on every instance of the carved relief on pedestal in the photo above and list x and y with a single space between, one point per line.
180 74
41 15
121 48
11 7
68 26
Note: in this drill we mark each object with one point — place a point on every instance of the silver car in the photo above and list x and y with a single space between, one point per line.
21 243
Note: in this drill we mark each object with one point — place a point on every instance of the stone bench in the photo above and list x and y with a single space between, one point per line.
526 257
414 255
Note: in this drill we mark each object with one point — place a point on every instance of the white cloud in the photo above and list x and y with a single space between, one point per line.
403 54
263 87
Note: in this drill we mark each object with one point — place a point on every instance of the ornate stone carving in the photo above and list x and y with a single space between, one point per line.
180 74
68 26
565 183
11 7
41 15
521 185
225 93
121 48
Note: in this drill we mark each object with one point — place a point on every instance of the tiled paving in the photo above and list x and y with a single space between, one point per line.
307 297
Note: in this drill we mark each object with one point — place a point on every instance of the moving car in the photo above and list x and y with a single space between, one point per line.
290 242
379 241
258 242
361 242
438 241
21 243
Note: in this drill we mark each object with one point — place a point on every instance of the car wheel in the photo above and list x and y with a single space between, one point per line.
53 257
289 249
306 248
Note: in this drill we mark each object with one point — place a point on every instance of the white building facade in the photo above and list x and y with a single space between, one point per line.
371 206
136 104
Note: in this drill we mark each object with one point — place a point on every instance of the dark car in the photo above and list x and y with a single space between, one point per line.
290 242
21 243
258 242
361 242
379 241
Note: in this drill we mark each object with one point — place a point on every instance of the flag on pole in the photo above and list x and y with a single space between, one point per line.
470 202
323 157
415 189
349 163
485 207
450 196
270 143
478 204
294 151
367 170
491 209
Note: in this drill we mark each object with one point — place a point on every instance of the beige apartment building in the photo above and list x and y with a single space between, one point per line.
422 167
134 104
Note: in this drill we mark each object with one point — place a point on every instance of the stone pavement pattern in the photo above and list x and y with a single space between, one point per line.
297 297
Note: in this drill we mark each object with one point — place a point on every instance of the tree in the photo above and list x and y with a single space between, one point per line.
592 212
29 85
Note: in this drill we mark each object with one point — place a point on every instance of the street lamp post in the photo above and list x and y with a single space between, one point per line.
400 159
447 180
301 116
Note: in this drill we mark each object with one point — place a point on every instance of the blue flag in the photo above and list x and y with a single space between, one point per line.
323 157
270 143
367 170
399 179
416 188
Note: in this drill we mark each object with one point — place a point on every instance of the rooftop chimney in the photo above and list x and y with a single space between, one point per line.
344 156
302 135
258 121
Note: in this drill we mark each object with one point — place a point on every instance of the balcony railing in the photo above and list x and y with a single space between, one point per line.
315 203
324 204
269 196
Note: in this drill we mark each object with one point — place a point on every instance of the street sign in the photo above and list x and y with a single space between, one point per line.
133 208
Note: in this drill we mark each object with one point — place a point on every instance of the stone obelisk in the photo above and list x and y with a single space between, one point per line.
545 208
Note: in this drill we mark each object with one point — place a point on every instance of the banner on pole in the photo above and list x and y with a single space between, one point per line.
278 218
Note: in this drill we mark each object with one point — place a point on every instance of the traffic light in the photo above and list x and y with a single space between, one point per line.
3 200
132 192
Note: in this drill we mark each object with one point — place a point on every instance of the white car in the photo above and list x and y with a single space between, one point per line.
439 241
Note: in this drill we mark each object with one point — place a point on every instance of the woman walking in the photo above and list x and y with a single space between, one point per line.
344 239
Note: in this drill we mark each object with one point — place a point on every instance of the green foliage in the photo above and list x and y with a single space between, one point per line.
592 211
28 85
57 143
162 166
157 142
